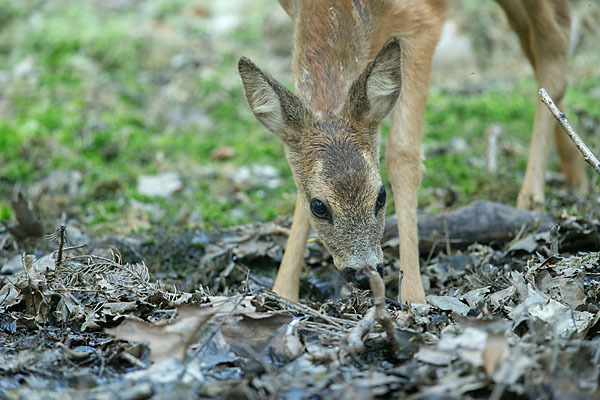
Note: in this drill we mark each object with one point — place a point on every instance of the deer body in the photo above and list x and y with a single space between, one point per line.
354 62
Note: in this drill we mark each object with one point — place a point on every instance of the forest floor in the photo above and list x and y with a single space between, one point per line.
165 294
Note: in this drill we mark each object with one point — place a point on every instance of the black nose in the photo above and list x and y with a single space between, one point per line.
349 274
380 269
357 278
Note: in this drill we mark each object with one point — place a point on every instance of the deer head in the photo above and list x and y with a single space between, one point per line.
334 156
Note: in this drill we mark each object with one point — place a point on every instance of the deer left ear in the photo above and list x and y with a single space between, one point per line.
374 93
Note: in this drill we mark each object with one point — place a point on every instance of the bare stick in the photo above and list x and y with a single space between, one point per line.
381 314
61 235
588 156
355 342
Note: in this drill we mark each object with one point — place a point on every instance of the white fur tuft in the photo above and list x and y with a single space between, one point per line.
266 106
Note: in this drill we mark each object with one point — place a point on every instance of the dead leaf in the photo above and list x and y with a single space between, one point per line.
254 330
449 303
564 322
434 356
476 297
468 345
120 307
286 345
530 243
168 340
90 322
9 296
502 297
562 285
514 366
495 348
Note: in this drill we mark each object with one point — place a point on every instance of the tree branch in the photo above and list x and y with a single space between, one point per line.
588 156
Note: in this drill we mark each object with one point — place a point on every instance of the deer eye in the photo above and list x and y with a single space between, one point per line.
381 198
319 209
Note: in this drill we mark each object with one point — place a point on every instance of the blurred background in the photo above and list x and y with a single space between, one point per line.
118 116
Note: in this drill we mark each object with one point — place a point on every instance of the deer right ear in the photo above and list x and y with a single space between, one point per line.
278 109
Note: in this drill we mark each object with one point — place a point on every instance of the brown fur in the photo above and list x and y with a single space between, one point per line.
348 76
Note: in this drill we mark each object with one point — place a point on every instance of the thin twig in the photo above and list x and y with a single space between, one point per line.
250 276
588 156
217 328
554 239
61 235
299 307
435 243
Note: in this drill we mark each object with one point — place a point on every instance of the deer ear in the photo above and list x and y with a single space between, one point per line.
278 109
290 7
374 93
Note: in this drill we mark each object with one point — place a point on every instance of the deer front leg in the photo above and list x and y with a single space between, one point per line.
404 169
404 165
404 158
287 283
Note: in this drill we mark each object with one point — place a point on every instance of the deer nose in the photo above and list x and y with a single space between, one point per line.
359 278
380 269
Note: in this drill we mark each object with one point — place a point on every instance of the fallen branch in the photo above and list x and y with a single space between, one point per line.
588 156
336 323
355 341
481 221
352 346
378 312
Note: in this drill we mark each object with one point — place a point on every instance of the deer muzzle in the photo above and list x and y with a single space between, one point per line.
358 278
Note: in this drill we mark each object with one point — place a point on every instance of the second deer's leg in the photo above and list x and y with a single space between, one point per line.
543 28
572 164
287 283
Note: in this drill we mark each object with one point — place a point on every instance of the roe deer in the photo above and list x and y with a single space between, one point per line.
354 61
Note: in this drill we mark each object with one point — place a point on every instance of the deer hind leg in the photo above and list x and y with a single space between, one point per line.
543 28
287 282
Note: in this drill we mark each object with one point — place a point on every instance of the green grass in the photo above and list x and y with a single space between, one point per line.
92 102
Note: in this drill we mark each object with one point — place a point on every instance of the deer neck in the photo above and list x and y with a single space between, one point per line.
330 52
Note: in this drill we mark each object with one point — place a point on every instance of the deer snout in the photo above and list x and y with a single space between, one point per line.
358 278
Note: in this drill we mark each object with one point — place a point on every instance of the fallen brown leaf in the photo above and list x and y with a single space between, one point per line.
169 340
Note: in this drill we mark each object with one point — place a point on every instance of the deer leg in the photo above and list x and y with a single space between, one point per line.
531 195
287 282
543 28
404 161
572 163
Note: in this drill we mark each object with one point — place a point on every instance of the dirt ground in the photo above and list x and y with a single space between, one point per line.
502 321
